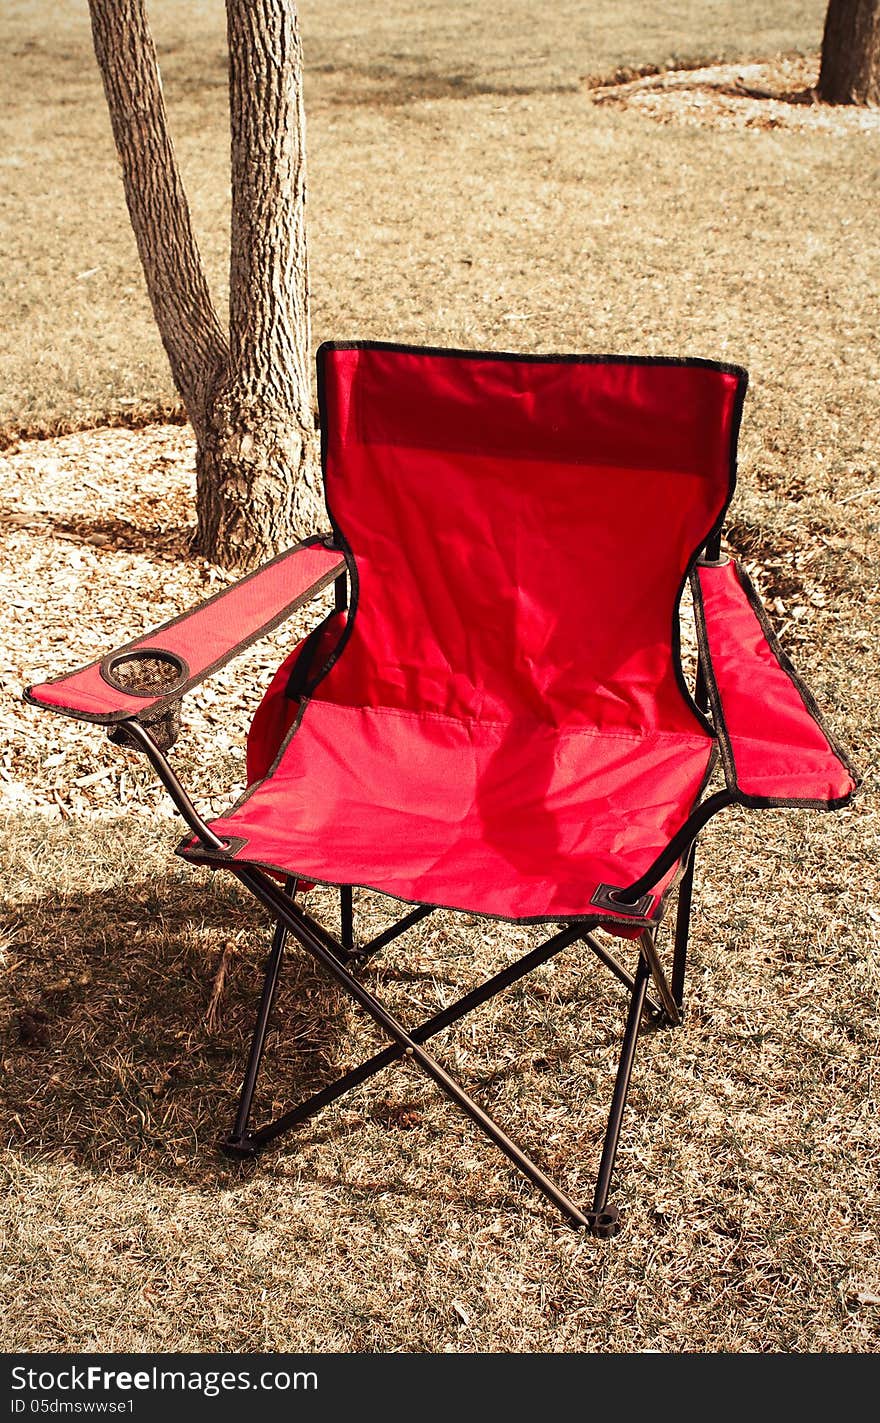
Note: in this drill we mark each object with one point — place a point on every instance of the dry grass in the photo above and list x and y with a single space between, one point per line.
748 1168
481 103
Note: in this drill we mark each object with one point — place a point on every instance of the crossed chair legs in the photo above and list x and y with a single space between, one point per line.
340 958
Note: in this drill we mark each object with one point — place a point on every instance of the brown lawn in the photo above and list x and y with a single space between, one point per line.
477 179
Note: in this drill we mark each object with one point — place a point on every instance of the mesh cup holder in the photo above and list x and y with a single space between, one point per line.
151 673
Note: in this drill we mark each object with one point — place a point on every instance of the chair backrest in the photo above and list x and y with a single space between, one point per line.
521 528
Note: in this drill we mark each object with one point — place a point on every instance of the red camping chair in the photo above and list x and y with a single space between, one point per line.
494 719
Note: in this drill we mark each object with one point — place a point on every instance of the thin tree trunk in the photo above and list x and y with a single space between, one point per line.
850 71
258 479
178 290
249 399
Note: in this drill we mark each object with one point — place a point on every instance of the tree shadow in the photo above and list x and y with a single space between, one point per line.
148 530
393 85
782 95
165 543
109 1062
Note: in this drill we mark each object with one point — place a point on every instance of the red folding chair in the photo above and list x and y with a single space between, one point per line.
494 718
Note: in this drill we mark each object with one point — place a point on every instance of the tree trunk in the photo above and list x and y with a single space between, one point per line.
850 71
258 480
178 290
249 399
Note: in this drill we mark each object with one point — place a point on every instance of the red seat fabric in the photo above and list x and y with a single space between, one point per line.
503 724
520 821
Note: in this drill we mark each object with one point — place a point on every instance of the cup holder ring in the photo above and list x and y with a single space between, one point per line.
146 672
149 672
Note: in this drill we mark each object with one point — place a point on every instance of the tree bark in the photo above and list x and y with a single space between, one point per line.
249 398
258 480
191 334
850 70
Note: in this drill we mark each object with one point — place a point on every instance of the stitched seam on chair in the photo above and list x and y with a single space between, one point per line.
528 729
543 358
765 741
727 760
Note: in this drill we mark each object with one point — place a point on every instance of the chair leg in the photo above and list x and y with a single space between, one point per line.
238 1143
459 1009
346 916
268 893
682 928
648 945
652 1009
605 1219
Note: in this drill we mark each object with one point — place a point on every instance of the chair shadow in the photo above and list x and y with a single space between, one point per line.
109 1060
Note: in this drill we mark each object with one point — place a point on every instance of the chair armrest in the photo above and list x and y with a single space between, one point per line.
199 641
774 747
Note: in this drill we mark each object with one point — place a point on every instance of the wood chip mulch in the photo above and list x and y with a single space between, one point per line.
778 93
96 533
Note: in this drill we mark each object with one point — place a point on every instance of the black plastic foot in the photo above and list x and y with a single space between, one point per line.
604 1223
242 1148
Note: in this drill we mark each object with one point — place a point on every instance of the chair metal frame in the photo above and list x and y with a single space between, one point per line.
340 958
